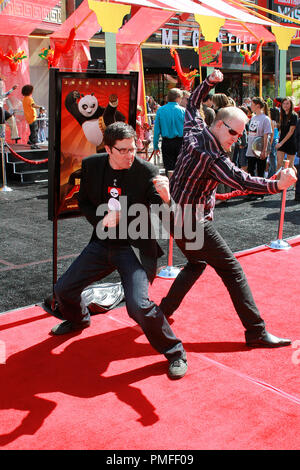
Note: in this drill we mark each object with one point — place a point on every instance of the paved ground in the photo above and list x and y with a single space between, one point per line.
26 238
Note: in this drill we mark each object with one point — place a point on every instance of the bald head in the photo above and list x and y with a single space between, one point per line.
228 126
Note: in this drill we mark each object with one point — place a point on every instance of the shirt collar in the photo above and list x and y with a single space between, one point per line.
216 144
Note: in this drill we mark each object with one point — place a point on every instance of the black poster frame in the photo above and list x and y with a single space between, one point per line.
54 141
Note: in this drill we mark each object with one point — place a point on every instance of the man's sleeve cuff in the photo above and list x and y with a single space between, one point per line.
273 187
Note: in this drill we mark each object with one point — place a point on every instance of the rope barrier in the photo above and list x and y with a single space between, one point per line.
26 160
238 193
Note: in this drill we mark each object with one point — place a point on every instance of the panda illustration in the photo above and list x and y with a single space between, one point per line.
92 117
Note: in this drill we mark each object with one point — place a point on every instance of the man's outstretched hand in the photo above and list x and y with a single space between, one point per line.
216 76
287 178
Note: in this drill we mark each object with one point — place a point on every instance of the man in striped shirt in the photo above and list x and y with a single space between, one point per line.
201 165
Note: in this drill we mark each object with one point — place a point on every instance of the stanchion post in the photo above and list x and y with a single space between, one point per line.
4 188
54 252
281 244
169 271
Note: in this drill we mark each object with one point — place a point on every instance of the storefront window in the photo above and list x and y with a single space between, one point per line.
251 86
157 86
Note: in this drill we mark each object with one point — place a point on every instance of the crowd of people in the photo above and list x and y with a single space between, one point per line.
35 116
271 134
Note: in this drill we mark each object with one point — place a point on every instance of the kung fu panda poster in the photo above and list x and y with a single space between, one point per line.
81 106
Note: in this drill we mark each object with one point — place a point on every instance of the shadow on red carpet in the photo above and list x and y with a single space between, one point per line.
106 388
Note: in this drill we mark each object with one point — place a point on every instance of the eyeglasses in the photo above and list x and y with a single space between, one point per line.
232 131
125 151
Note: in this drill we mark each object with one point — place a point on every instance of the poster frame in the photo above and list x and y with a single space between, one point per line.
56 78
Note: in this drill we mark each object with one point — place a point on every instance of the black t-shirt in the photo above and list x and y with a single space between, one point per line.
286 124
113 188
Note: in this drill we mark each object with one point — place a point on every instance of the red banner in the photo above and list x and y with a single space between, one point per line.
210 54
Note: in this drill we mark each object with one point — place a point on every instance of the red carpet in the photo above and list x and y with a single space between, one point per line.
105 388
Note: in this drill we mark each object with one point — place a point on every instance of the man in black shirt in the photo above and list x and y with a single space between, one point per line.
111 186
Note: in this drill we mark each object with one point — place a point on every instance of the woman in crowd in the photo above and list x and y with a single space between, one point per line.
287 126
220 100
259 126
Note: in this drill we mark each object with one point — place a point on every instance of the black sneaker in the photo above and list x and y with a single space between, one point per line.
68 327
177 368
34 146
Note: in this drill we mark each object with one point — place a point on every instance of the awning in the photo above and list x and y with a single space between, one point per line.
251 34
220 9
228 11
83 16
137 30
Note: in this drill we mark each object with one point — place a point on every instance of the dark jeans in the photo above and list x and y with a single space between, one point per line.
218 255
34 131
258 164
96 261
273 159
2 115
170 149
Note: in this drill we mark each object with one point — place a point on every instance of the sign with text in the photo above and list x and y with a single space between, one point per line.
210 54
287 8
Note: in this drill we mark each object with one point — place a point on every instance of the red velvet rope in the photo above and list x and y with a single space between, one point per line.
33 162
237 193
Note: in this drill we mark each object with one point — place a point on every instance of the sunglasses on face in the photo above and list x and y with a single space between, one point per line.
232 131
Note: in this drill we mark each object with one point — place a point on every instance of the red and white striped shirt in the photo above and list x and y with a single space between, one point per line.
202 163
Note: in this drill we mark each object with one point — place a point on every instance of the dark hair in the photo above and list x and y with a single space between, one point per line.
283 116
258 100
27 90
245 109
275 114
262 104
207 97
118 131
220 100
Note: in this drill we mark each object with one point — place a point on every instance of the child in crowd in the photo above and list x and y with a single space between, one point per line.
42 125
30 114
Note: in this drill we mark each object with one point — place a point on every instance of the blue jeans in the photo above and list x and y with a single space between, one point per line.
216 253
273 159
97 260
